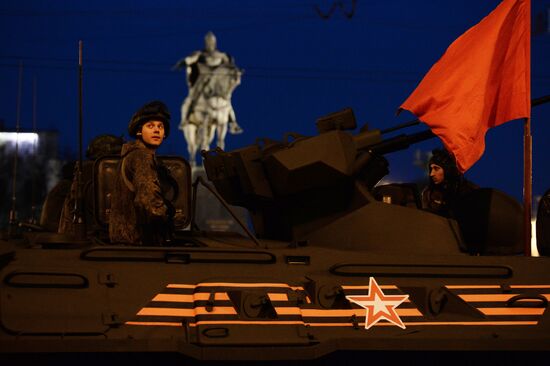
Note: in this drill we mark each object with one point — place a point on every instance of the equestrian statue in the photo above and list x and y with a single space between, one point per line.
207 112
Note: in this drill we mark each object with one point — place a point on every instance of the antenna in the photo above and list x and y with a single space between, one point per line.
80 103
12 227
78 218
32 219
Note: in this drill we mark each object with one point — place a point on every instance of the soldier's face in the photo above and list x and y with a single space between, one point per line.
437 174
152 133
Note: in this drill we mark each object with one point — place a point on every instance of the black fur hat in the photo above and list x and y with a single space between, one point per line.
155 110
445 160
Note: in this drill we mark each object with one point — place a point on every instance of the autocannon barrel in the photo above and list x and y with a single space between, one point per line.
400 142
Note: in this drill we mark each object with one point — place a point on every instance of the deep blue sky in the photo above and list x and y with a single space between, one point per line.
298 67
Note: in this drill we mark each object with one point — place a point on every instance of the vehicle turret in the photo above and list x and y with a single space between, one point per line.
319 189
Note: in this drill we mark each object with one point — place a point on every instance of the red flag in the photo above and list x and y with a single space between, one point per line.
481 81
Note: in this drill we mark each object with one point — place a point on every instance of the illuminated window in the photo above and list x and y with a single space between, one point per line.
26 141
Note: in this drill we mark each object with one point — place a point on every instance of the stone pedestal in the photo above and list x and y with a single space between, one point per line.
210 214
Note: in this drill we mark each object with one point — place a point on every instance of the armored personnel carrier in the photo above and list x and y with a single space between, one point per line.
332 263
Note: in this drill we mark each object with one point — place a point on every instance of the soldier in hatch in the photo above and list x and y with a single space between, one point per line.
141 212
447 185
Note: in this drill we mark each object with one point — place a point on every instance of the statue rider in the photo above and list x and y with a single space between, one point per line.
208 58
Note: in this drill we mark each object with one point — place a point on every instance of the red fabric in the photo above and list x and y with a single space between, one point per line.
482 81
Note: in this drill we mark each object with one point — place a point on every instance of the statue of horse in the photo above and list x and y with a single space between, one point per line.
207 111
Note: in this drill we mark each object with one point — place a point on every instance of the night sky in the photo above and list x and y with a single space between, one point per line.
301 62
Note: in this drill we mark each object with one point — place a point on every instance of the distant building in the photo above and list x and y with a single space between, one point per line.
37 171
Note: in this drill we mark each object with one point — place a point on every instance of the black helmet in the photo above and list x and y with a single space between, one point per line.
104 145
152 111
445 160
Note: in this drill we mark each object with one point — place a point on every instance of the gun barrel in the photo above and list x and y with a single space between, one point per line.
400 142
539 101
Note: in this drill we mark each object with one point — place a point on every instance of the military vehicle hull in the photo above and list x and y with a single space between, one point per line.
337 266
220 297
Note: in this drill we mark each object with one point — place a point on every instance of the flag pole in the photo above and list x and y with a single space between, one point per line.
527 183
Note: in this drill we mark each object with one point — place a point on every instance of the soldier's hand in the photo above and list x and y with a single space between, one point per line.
179 218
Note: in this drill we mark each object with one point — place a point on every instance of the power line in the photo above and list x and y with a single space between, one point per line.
165 65
256 23
280 73
257 17
251 71
188 12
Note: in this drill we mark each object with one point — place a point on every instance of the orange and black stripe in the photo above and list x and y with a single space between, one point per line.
210 303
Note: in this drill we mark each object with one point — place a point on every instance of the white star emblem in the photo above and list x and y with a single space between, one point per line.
379 306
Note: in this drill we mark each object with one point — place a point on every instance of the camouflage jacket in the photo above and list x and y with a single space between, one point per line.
441 198
140 215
